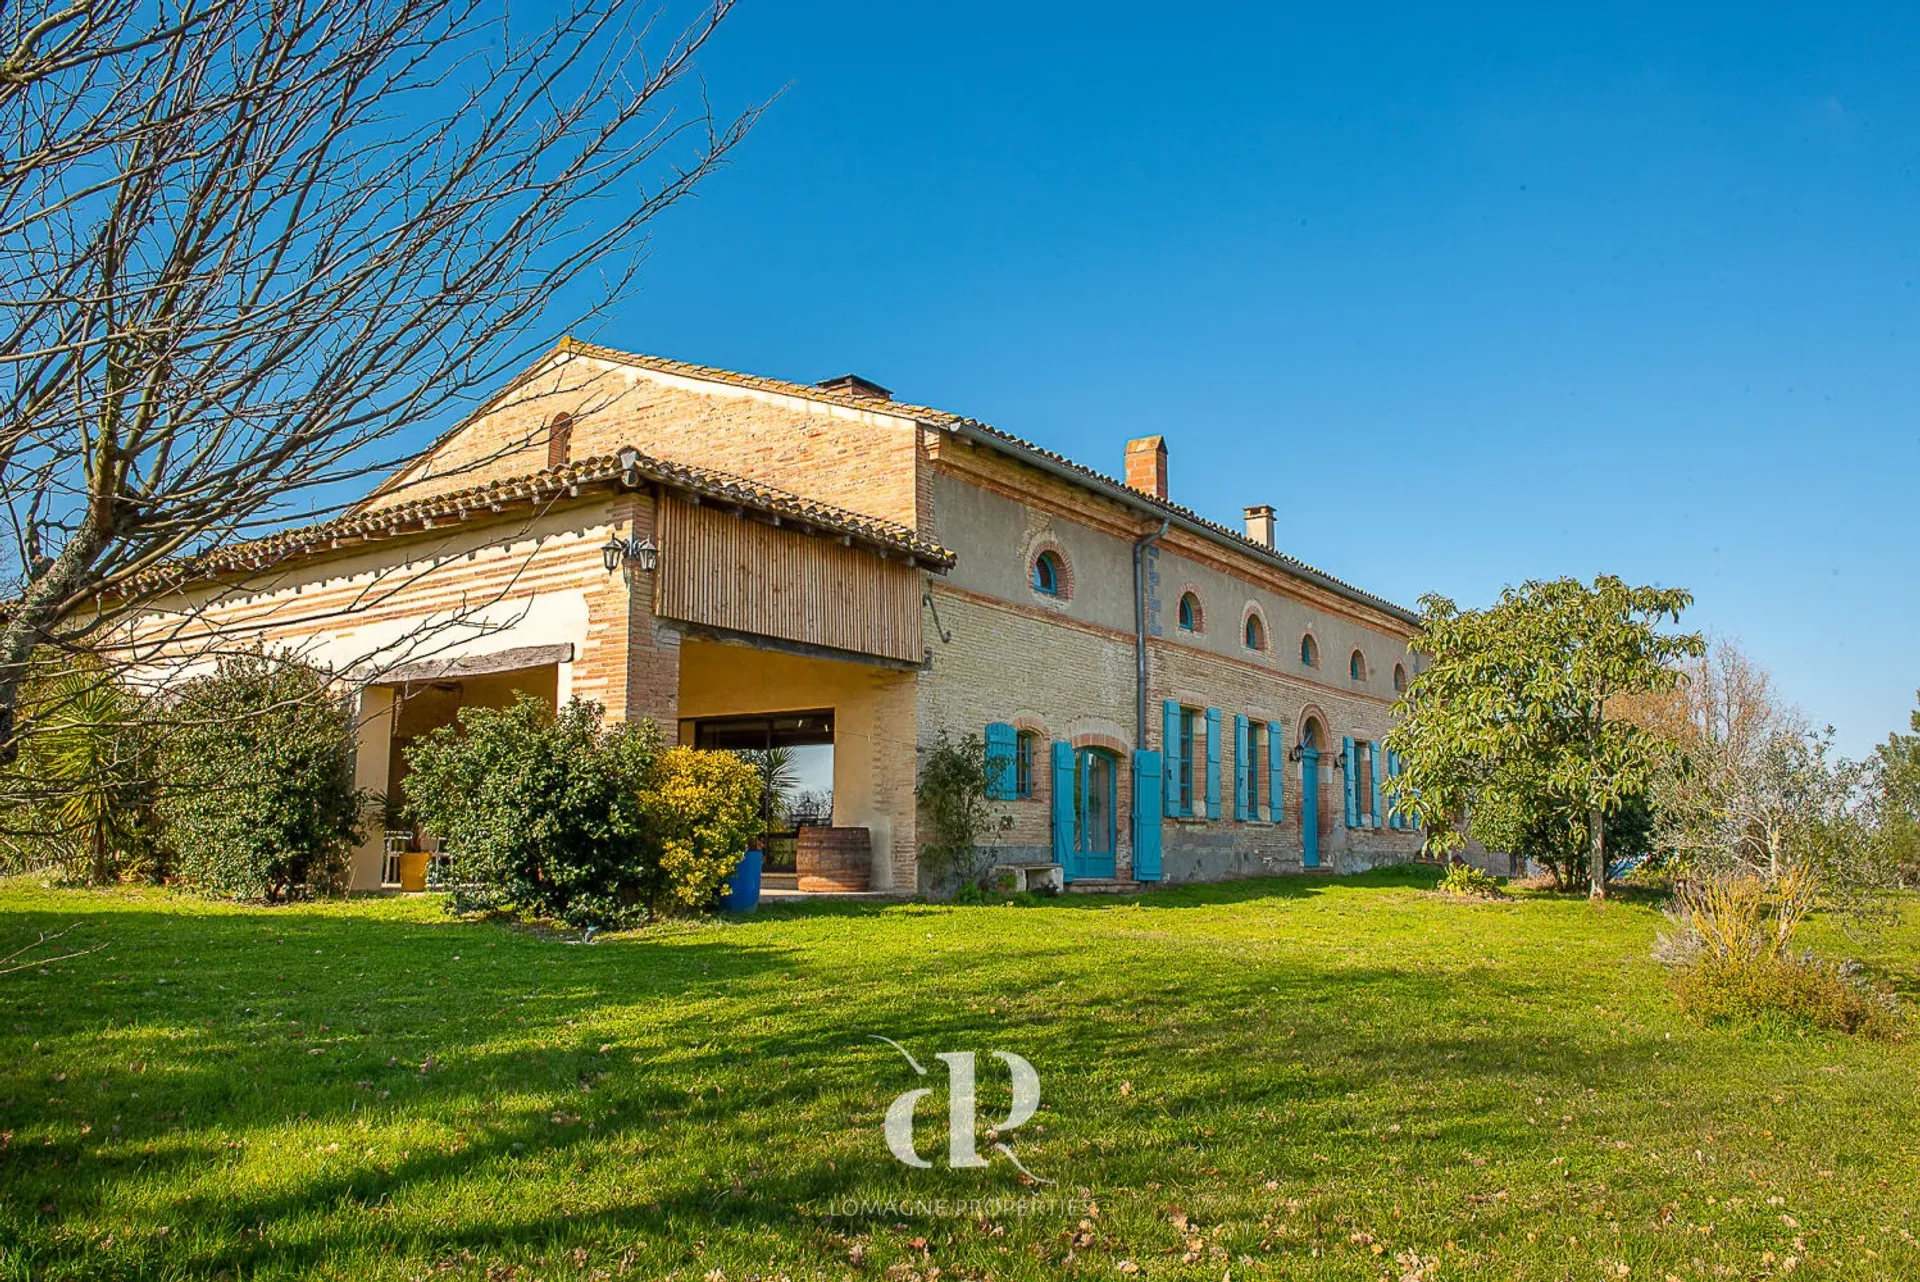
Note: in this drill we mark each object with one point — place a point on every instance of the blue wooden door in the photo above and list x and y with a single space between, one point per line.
1094 818
1310 807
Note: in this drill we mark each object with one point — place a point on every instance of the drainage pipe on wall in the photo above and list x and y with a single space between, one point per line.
1140 546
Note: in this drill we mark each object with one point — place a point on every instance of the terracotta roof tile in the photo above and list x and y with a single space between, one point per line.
709 484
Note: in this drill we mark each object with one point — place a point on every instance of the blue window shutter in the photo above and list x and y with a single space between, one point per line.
1170 753
1276 769
1241 766
1146 815
1002 743
1379 759
1353 781
1213 763
1063 805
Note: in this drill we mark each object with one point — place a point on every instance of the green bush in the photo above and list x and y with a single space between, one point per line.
559 815
257 792
540 811
1465 879
78 796
1750 990
701 811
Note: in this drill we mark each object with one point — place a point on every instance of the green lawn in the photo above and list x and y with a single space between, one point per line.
1290 1078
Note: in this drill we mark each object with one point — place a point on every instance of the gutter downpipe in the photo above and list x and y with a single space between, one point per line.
1140 546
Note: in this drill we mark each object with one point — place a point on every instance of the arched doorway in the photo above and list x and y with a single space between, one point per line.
1311 737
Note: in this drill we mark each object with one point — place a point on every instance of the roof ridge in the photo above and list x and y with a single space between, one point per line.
949 419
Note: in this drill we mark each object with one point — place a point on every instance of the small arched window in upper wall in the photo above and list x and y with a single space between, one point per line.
1309 652
1357 666
1047 575
1399 678
1256 633
1189 612
559 438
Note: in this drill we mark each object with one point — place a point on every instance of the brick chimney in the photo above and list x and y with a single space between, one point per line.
1147 465
854 385
1260 525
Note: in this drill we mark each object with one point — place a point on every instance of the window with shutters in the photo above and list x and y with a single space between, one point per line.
1357 666
1188 716
1364 772
1256 763
1309 652
1189 612
559 439
1023 763
1399 678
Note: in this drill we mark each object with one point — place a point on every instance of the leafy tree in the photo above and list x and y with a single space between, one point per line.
1527 820
1894 778
1519 705
542 811
259 800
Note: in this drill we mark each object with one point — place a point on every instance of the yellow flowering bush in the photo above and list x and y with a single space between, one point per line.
703 808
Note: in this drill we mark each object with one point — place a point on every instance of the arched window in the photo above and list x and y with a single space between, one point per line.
1399 678
1256 633
1309 652
559 438
1189 612
1048 574
1357 666
1310 735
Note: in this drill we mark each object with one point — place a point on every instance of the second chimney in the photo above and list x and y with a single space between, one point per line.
1147 465
1260 525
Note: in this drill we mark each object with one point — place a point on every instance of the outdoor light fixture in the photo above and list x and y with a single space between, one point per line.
1340 762
638 552
1293 753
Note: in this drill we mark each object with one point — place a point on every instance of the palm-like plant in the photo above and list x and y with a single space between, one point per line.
83 777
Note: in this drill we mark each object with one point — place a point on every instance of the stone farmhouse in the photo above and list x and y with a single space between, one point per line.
753 562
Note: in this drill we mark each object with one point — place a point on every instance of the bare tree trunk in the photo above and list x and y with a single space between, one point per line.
1597 858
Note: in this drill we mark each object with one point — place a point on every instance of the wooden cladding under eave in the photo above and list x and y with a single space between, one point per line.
725 571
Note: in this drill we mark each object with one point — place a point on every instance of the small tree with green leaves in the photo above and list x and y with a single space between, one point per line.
1523 695
959 817
544 813
257 789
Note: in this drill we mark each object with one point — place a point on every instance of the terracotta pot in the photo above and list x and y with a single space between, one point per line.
833 859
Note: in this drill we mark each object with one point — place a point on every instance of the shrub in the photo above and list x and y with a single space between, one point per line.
959 818
1730 956
541 811
701 810
79 793
1465 879
1828 995
257 787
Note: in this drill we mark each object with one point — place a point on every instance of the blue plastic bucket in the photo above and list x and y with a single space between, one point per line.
743 885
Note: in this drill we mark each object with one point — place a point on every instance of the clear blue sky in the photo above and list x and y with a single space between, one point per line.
1472 294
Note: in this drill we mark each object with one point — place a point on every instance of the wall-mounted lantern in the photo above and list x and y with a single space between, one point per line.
641 554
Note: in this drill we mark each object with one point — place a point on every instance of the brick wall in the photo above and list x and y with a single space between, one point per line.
860 460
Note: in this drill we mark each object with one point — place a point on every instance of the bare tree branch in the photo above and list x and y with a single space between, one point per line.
249 243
